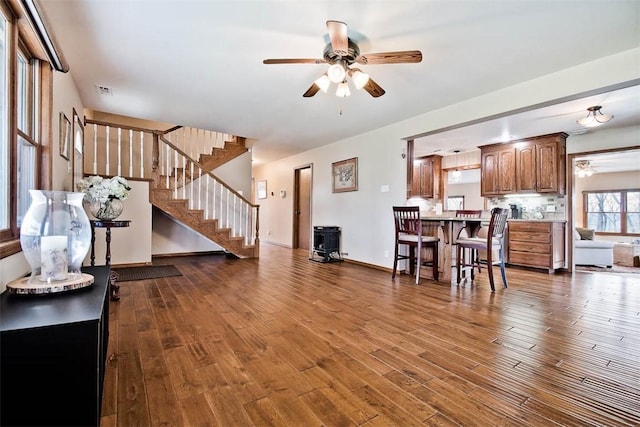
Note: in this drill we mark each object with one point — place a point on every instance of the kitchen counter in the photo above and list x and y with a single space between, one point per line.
536 220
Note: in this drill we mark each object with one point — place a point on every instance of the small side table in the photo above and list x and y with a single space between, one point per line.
114 288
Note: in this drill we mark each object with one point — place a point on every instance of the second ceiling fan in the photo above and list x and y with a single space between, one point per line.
342 53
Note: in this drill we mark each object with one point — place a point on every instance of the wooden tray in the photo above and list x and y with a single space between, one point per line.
23 287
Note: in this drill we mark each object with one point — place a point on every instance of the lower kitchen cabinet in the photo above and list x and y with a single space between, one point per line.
539 244
54 349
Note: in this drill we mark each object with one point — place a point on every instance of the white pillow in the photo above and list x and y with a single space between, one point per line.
576 235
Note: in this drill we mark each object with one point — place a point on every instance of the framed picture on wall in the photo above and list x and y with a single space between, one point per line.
345 175
262 189
65 136
78 149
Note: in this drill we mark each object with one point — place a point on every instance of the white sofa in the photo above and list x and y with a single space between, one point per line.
592 252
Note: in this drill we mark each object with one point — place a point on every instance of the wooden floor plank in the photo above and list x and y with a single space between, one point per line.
282 340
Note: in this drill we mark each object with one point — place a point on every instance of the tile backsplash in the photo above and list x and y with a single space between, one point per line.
535 206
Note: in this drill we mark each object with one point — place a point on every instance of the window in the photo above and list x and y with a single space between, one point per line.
613 211
27 121
23 73
4 124
455 203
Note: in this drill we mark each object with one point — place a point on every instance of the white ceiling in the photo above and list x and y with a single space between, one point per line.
199 63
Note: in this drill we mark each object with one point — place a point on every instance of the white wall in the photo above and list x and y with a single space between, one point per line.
169 237
65 99
604 139
471 193
237 174
365 215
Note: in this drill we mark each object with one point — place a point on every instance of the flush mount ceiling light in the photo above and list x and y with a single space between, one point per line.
584 168
594 117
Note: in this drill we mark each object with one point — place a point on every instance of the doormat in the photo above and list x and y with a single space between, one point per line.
127 274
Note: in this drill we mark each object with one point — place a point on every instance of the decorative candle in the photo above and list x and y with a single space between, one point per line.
53 258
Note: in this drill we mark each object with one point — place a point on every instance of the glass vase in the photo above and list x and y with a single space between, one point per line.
55 235
111 209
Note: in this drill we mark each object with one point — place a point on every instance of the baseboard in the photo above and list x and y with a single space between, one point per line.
282 245
183 254
366 264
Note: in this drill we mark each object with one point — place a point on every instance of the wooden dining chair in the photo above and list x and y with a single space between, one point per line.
470 254
494 241
409 232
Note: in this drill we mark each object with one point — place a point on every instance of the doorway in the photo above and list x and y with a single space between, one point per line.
302 207
603 161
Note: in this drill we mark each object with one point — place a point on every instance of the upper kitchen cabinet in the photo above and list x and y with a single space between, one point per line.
551 156
532 165
425 178
498 173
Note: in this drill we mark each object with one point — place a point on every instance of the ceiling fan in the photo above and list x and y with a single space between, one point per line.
342 54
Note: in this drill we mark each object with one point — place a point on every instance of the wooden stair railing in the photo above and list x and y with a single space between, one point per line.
212 149
181 186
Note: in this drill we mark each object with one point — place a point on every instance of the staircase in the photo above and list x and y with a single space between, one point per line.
181 186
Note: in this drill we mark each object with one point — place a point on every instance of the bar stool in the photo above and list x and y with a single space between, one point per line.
409 231
471 254
493 241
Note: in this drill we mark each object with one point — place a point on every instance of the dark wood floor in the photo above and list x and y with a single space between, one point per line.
288 341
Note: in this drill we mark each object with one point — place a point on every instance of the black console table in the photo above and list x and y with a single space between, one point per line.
54 349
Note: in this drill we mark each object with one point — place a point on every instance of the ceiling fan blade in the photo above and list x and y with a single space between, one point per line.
338 36
313 89
294 61
406 56
373 88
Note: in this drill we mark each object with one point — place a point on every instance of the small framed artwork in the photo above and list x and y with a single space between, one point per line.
78 149
345 175
262 189
65 136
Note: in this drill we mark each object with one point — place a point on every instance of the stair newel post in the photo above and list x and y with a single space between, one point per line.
257 239
155 159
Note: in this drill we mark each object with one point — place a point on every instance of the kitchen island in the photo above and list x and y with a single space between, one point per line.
447 228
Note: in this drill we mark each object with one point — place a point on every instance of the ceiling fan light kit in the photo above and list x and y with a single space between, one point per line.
341 53
594 117
343 90
360 79
336 73
323 83
584 168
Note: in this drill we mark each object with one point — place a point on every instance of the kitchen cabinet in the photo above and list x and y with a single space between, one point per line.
538 244
526 166
551 164
54 349
498 174
425 179
532 165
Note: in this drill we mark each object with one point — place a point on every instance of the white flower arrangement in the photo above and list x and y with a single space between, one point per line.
99 189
